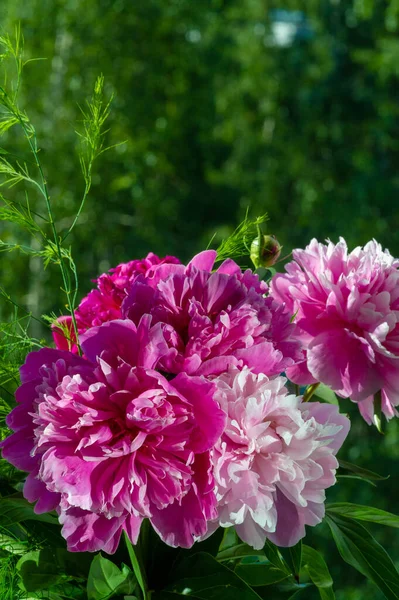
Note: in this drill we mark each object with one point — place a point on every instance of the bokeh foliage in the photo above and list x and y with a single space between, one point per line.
216 117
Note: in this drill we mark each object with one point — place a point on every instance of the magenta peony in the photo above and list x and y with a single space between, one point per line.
104 303
108 441
274 460
347 312
212 320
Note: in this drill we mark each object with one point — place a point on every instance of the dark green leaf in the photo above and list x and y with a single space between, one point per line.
359 549
274 556
39 570
203 577
318 572
217 592
362 479
260 574
293 558
210 545
106 580
364 473
364 513
14 510
47 595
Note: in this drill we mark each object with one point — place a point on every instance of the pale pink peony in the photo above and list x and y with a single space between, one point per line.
212 320
108 441
346 306
274 460
104 303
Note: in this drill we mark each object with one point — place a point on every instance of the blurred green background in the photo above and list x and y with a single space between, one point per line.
290 108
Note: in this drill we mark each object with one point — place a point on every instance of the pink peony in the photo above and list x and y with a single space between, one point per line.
108 441
104 303
274 460
347 312
212 320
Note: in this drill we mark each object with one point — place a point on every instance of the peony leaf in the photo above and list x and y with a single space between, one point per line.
362 479
258 574
360 550
14 510
364 473
318 572
293 558
325 393
364 513
273 555
238 551
11 545
211 545
38 570
203 577
107 580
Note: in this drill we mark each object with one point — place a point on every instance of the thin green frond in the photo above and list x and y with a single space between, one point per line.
15 174
20 215
92 138
237 244
6 122
7 247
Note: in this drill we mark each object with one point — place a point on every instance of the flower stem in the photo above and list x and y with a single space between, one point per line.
310 390
137 569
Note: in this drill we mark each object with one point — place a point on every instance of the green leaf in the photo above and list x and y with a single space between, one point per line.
211 545
359 549
204 577
362 479
325 393
230 539
293 558
106 580
318 572
135 564
39 570
218 592
364 473
14 510
40 596
364 513
258 574
238 551
274 556
11 545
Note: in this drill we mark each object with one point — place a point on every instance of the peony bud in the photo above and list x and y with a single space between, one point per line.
265 251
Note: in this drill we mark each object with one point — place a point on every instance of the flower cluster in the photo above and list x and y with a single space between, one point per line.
347 314
176 412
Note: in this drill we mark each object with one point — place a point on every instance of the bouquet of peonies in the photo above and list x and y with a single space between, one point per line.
178 409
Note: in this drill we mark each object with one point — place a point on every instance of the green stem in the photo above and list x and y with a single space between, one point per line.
30 136
310 390
82 203
137 569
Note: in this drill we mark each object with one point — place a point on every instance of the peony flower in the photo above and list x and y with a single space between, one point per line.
108 441
104 303
347 312
274 460
212 320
